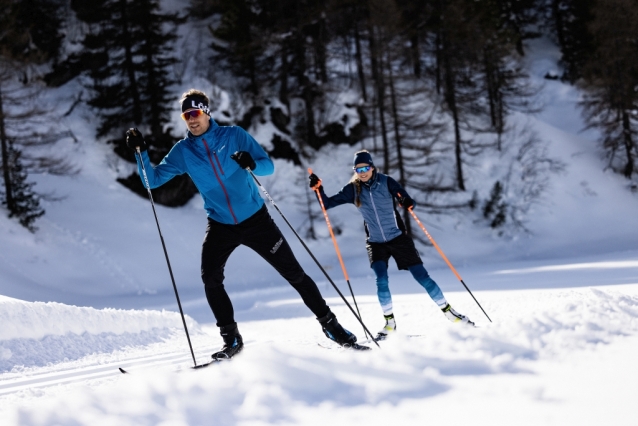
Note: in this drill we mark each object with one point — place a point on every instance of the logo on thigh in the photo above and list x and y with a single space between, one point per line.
277 245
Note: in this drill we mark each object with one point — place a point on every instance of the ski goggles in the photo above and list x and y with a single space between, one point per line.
194 113
362 169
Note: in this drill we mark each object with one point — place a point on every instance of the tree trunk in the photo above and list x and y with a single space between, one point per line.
311 135
304 83
359 59
155 118
384 131
320 49
450 97
5 160
500 111
489 84
283 78
397 133
416 57
494 87
558 21
457 145
397 136
437 54
377 73
130 67
629 144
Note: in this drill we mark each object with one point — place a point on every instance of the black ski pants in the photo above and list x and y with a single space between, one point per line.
260 233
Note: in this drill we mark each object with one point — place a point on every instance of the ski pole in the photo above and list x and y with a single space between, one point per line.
334 241
310 253
436 246
170 270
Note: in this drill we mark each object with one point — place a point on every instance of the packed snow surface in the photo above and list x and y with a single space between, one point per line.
551 357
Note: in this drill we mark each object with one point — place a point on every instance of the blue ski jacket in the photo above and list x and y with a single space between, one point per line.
381 220
229 192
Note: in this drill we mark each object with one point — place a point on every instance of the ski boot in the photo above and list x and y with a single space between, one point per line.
233 343
335 332
390 327
454 316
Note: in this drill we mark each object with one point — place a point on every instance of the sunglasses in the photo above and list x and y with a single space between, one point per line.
192 114
362 169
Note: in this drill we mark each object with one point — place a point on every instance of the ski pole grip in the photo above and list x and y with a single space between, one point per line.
316 188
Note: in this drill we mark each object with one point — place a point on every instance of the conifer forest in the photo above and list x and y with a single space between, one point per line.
431 87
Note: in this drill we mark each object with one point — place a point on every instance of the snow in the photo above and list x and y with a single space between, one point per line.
90 292
37 333
555 356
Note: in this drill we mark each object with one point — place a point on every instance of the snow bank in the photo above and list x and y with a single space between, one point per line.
38 333
424 378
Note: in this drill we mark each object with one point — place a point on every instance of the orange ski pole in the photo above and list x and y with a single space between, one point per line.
334 241
436 246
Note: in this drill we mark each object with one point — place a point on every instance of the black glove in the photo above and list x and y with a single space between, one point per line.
244 159
315 182
135 139
406 202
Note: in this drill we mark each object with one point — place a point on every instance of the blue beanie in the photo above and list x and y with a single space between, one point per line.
362 157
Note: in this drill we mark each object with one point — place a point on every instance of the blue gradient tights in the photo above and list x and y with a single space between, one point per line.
419 273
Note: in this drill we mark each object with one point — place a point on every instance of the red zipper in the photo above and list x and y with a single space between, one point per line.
217 159
210 158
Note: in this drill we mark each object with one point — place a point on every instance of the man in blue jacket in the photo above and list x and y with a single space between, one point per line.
216 158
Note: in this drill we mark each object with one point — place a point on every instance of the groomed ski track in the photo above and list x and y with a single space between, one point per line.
172 361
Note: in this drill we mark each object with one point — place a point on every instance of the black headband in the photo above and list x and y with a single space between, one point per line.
195 101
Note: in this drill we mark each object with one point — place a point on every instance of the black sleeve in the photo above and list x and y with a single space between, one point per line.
397 190
346 195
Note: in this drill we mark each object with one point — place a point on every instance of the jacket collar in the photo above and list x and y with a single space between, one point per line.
211 128
372 180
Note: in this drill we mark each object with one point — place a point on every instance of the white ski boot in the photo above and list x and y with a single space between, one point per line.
454 316
390 327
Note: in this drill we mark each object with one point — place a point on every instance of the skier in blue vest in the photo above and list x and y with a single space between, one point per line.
216 158
373 193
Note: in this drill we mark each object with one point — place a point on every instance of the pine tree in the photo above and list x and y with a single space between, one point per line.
307 67
571 19
21 144
239 49
128 54
278 49
519 19
348 20
457 52
30 36
505 82
31 30
610 78
130 50
495 207
18 197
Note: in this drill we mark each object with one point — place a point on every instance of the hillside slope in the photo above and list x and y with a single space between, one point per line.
99 245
